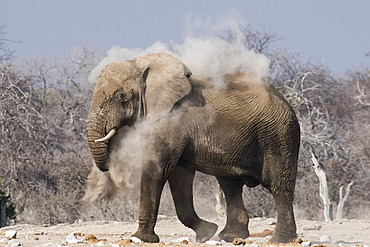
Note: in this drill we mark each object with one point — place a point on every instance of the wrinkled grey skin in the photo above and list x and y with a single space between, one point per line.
244 134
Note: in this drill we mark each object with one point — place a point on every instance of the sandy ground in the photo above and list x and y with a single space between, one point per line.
172 232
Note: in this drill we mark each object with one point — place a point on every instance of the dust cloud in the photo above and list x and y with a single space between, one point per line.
128 149
204 51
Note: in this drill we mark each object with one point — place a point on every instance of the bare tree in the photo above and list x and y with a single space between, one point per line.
363 87
324 192
342 200
43 115
259 42
5 54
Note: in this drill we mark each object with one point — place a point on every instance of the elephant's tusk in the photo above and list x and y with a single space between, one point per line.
107 137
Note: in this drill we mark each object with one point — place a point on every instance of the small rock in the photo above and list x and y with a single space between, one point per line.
130 240
10 234
239 241
36 238
135 240
91 239
13 243
297 241
75 238
212 242
325 238
184 240
306 243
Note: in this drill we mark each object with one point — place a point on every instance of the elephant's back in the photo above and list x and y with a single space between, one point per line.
240 91
238 123
251 108
246 99
241 118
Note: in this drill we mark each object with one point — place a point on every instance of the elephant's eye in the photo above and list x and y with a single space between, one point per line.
120 96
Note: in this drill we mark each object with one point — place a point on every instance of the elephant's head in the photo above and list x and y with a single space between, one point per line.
126 91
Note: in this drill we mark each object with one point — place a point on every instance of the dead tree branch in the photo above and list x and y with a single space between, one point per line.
324 192
342 200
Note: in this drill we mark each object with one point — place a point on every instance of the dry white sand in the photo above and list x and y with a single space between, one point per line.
169 229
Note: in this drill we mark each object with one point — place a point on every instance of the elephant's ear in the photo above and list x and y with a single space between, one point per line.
166 83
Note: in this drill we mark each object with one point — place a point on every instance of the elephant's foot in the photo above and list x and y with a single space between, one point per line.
283 238
149 237
235 231
205 231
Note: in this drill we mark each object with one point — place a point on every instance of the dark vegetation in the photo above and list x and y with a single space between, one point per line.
45 159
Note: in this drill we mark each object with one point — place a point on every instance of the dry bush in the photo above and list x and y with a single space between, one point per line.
43 115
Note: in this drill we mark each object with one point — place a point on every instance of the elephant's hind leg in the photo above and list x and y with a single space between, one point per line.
181 184
285 227
237 217
281 185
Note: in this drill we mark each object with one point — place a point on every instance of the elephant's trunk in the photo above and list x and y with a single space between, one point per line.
99 150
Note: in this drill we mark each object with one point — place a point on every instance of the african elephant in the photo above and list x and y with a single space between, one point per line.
243 134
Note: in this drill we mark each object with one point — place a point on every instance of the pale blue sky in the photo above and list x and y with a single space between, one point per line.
336 32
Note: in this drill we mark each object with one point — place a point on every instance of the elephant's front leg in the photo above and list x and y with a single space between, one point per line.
181 184
152 182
